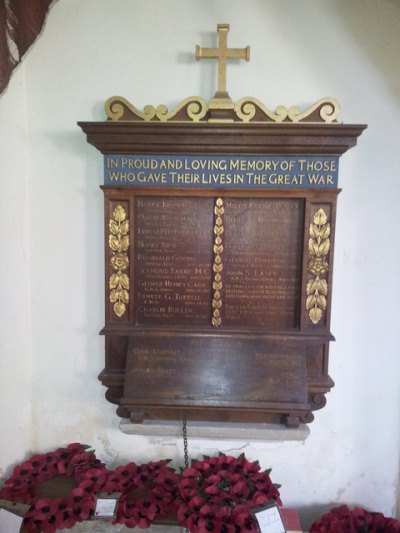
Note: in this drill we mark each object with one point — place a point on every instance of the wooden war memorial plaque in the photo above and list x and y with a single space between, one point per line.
219 240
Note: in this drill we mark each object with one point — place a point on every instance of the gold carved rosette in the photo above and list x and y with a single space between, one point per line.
318 266
118 241
218 248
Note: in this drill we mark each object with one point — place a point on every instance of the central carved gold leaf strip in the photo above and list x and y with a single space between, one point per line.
118 241
217 266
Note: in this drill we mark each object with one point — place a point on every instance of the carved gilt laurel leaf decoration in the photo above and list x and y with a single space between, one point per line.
318 249
118 241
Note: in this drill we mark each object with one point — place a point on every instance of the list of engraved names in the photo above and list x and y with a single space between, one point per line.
208 368
262 262
173 266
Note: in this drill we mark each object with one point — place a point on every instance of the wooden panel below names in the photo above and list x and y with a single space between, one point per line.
213 370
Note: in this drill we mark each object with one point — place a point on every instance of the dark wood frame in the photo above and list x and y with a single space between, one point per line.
203 138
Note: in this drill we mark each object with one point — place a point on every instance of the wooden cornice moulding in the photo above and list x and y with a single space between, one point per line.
221 138
250 127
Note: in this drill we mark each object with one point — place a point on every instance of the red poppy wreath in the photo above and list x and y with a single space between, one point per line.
345 520
74 468
148 493
218 493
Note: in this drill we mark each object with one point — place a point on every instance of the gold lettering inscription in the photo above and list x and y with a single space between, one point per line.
159 371
265 370
287 368
137 177
263 172
225 164
263 262
173 261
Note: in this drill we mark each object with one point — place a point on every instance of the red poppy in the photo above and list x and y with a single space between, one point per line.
94 478
240 490
212 489
23 472
167 478
121 479
81 462
245 521
84 509
64 516
196 503
190 472
44 507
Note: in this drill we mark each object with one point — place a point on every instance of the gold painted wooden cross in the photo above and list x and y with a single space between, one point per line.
222 53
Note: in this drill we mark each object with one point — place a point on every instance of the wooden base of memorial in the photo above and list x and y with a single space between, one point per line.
219 241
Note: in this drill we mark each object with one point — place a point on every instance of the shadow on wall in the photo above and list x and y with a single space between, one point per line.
308 515
375 26
324 38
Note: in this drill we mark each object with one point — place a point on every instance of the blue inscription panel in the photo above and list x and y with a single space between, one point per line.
229 172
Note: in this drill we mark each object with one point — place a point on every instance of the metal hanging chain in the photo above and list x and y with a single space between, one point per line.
185 447
185 442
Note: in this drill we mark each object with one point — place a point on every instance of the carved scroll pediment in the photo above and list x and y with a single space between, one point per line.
247 109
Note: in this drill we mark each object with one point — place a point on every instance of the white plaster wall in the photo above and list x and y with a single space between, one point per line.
15 350
143 50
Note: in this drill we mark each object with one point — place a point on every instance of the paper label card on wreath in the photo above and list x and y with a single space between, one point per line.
10 522
106 505
269 520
